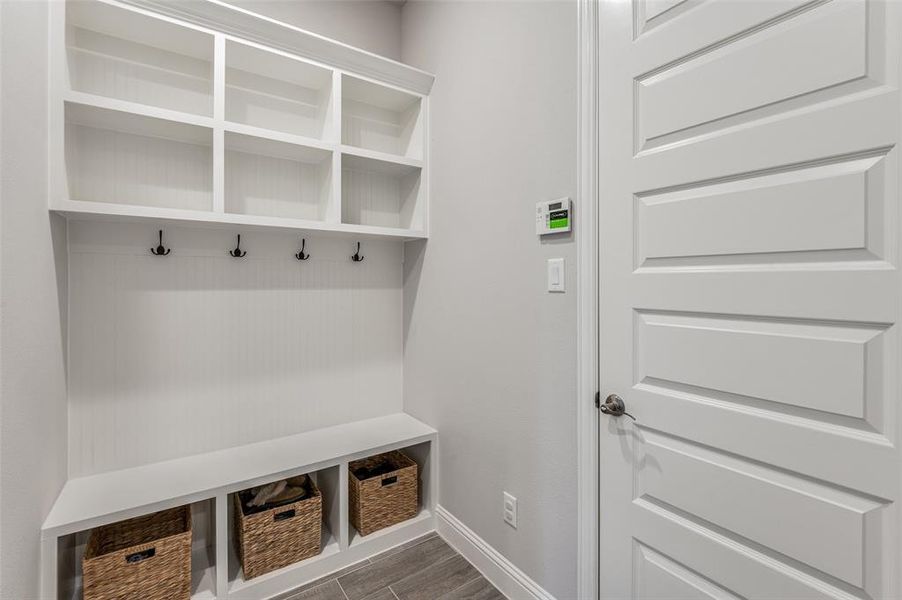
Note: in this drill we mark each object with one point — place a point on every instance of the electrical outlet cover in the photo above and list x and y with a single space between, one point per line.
510 510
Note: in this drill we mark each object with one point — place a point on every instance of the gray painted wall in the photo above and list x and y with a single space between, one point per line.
373 25
490 356
32 254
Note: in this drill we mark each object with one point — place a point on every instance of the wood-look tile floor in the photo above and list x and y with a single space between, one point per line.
423 569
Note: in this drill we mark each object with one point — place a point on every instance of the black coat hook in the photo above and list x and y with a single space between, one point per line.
237 252
160 250
356 256
300 255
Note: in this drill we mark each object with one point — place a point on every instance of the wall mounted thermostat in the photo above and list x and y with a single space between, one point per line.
553 216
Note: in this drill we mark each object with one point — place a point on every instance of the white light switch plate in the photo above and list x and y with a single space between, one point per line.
556 275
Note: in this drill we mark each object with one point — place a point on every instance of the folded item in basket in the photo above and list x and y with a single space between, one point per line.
268 491
271 495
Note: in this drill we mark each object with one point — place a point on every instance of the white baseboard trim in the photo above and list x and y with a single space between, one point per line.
511 581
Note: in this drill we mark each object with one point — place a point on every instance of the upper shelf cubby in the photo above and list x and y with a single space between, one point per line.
381 194
120 53
272 178
381 118
274 91
123 158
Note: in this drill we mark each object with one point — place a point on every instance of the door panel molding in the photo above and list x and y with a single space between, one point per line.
750 299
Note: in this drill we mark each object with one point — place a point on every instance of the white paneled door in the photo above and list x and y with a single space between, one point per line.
750 299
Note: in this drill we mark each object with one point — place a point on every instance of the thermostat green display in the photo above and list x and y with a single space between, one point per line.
553 216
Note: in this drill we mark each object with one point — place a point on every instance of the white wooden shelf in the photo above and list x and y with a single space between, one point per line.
94 211
135 108
383 157
148 111
87 502
277 136
207 480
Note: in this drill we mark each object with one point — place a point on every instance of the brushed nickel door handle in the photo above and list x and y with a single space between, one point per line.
614 406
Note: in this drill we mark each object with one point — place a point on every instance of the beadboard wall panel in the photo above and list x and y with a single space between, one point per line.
371 198
372 127
198 351
275 187
126 168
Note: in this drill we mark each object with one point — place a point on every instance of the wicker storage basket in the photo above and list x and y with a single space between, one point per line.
146 558
384 499
278 537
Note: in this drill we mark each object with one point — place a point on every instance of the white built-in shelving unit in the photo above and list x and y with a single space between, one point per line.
205 481
160 118
203 114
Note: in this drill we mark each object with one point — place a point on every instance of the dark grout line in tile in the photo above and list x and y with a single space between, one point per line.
383 594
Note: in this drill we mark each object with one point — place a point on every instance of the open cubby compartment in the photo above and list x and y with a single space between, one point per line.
275 91
124 158
381 193
380 118
129 55
276 179
422 454
328 481
71 550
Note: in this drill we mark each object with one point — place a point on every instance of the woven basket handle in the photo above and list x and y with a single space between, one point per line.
390 481
140 556
282 516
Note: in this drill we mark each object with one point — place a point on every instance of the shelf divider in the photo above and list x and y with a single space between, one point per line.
343 537
219 76
333 129
333 211
218 170
222 546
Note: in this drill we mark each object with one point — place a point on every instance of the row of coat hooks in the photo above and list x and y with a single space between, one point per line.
161 250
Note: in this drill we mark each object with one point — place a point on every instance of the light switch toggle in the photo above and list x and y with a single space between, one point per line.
556 275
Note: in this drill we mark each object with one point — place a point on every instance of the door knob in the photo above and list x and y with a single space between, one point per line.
614 406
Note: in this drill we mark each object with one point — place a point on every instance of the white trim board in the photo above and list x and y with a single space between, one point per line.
587 301
214 14
503 574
